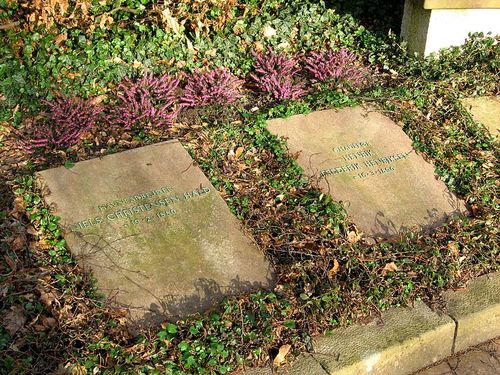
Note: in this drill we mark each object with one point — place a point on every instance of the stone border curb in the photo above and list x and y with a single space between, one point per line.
476 311
461 4
405 340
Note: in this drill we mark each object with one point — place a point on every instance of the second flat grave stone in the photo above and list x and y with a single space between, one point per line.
485 110
156 234
365 160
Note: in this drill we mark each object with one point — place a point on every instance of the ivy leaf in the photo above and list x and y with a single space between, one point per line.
69 164
171 328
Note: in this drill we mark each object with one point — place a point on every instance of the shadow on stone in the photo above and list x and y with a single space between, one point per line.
435 218
208 293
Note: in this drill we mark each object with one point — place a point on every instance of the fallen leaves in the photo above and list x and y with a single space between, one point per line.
18 242
18 208
47 323
48 298
14 320
281 356
390 267
334 270
453 248
353 237
10 262
238 152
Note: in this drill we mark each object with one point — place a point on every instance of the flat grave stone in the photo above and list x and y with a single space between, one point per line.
485 110
157 236
365 160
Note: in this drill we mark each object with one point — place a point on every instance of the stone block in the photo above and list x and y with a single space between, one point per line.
461 4
476 309
435 24
485 110
303 364
155 233
365 160
403 341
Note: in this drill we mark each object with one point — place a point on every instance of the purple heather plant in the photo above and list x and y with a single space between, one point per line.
67 119
149 101
213 87
276 74
329 65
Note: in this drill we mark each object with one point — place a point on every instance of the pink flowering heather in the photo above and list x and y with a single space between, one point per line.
328 65
276 74
67 119
149 101
214 87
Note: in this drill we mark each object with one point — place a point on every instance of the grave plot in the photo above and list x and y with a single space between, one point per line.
365 160
485 110
157 236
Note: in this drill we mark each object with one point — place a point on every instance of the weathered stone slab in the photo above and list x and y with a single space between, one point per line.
365 160
303 364
476 310
485 110
404 340
155 233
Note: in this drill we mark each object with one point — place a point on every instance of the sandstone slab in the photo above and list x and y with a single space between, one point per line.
303 364
476 309
401 342
365 160
485 110
156 234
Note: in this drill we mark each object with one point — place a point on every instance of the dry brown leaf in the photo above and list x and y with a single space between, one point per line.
60 38
390 267
18 242
453 248
280 358
44 244
14 320
47 298
10 262
353 237
49 322
39 327
242 166
169 21
65 312
238 152
78 370
31 230
18 208
334 270
4 289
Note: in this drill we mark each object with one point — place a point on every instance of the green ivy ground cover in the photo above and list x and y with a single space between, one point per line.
57 316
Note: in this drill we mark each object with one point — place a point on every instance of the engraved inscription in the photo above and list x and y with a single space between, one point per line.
108 212
375 165
358 155
351 146
341 169
135 198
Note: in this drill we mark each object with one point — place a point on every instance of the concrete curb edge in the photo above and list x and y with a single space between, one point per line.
407 339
